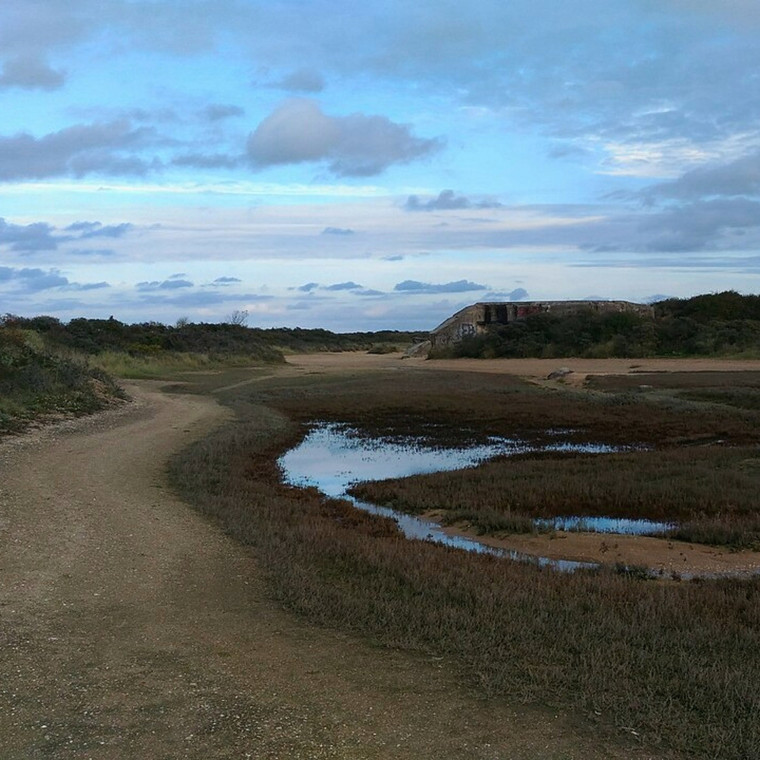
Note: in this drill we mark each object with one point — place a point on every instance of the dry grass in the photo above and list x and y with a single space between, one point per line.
162 364
679 663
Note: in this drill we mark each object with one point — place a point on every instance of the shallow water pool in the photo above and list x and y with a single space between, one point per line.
333 457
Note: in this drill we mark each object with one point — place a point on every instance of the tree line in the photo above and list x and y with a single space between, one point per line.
93 336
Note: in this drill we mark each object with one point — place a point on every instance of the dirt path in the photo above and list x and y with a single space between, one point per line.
132 628
533 369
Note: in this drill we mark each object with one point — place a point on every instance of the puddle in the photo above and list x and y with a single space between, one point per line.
333 457
619 525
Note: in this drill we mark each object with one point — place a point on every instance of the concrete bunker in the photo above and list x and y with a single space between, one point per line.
479 317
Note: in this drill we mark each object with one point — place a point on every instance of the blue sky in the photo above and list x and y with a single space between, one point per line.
373 165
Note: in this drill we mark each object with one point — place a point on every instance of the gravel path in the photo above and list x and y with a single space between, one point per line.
133 628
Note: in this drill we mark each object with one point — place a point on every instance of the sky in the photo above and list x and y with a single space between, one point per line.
375 165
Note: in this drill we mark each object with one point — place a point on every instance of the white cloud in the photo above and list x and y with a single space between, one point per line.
738 177
172 283
349 285
219 112
353 146
657 159
28 280
37 236
296 131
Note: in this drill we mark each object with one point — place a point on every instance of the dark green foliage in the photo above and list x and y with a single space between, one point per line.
300 340
728 306
35 381
387 348
93 336
718 324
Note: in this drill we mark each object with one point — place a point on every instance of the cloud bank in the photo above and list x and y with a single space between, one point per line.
447 201
78 150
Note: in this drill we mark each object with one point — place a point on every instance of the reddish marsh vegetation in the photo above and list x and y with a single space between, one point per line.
679 663
710 491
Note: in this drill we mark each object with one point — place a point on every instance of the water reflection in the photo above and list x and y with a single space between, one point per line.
621 525
333 457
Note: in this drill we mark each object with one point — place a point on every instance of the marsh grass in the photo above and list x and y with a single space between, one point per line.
711 491
740 390
713 380
741 398
478 405
678 662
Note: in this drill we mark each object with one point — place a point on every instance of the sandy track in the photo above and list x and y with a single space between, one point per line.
534 369
133 628
665 558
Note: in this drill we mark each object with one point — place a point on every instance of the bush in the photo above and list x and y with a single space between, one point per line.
35 381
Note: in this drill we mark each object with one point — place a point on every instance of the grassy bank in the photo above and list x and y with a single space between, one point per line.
164 364
678 663
36 382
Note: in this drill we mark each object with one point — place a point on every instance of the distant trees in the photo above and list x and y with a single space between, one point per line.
722 307
232 337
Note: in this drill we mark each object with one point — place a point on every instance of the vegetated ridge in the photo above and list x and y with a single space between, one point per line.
719 324
217 340
51 367
38 382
